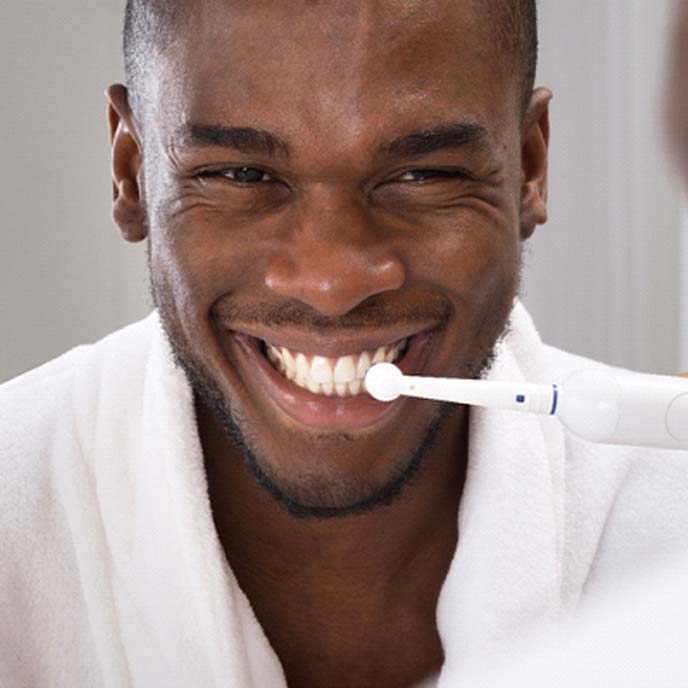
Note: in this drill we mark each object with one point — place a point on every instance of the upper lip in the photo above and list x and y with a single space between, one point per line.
332 346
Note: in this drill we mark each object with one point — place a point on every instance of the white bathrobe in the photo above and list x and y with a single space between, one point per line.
112 574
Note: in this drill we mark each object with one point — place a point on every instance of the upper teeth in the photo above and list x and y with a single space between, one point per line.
321 375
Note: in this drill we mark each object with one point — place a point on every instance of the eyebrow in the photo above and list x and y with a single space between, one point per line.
253 140
243 139
454 135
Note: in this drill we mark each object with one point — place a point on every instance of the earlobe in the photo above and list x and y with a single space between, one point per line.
534 163
128 209
128 212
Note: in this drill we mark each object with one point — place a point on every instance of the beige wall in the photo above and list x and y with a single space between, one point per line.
604 273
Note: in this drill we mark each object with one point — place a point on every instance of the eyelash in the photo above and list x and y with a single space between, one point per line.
267 178
434 174
225 172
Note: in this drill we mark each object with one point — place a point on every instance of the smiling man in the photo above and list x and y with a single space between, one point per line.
218 501
304 222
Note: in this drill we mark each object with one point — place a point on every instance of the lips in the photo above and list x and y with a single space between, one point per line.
317 411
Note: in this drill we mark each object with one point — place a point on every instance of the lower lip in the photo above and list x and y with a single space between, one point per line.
328 413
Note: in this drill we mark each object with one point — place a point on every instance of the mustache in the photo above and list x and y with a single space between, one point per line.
370 313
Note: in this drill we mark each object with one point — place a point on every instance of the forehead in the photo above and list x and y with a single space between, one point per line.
334 71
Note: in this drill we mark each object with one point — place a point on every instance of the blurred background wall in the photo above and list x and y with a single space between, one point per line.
605 272
604 276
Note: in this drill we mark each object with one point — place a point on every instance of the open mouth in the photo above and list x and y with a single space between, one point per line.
341 377
327 392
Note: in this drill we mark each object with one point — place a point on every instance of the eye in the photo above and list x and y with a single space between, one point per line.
425 175
248 175
241 175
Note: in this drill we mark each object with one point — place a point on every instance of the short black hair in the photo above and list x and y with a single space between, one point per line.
516 37
150 25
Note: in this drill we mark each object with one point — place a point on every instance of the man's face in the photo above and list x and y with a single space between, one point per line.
332 178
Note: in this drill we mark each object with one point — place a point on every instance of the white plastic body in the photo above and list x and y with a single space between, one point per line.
616 407
386 382
491 394
599 405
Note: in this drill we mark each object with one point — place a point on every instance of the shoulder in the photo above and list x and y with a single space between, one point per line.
43 397
45 412
49 492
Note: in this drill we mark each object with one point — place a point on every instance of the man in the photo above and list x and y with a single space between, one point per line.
209 497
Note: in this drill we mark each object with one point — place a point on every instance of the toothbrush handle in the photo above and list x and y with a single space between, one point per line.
515 396
618 407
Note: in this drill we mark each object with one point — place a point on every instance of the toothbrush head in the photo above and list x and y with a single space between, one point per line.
384 381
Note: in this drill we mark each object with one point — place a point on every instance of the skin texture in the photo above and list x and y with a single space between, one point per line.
343 242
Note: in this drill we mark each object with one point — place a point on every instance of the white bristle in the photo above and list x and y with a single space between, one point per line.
383 381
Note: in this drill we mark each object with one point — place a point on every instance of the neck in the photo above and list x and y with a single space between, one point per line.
366 580
375 544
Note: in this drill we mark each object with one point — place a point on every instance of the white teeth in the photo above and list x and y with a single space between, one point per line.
345 370
287 357
392 354
288 364
321 370
342 377
363 365
379 356
302 367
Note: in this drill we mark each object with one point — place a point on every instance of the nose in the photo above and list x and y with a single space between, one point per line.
334 258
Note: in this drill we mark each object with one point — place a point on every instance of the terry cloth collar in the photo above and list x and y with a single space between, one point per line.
177 609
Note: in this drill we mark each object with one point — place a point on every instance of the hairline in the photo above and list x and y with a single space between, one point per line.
151 25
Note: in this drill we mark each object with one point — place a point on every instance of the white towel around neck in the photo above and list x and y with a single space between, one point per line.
112 564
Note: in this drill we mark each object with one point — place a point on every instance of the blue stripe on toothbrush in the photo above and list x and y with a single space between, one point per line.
555 398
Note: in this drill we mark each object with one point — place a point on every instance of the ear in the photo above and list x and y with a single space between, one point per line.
127 166
534 162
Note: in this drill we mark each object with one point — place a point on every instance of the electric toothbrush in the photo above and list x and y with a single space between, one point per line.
610 407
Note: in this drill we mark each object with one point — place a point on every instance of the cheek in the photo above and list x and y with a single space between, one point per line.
477 265
174 292
195 253
200 257
473 257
